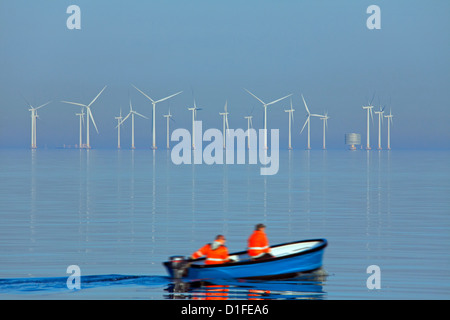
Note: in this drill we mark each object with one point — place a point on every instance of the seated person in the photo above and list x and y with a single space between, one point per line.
215 252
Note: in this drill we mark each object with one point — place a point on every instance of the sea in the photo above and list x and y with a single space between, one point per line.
117 215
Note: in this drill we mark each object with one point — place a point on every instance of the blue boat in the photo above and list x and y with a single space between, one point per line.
289 260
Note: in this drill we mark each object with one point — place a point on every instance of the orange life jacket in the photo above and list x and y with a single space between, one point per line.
258 244
216 256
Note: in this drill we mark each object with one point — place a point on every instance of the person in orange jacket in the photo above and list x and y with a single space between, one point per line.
215 252
258 244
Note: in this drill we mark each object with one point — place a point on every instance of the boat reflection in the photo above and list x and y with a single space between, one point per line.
304 286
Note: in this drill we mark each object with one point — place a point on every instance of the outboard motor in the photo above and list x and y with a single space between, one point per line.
179 266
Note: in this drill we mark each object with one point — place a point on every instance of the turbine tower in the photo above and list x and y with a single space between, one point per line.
389 116
34 116
119 120
194 114
168 116
249 125
89 116
380 119
291 117
132 113
225 122
308 121
153 113
325 124
81 115
265 105
369 114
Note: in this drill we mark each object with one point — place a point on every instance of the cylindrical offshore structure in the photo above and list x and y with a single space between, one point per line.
352 140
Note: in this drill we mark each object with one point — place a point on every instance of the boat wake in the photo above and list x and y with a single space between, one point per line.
54 284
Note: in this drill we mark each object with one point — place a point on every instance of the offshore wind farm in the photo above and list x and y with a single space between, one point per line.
225 126
111 165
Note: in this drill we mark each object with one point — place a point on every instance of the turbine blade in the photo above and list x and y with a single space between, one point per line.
93 121
307 119
82 117
173 95
255 96
121 122
140 115
143 94
27 102
96 96
226 121
75 103
304 102
279 99
43 105
373 97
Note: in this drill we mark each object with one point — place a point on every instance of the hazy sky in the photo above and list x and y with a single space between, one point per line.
212 50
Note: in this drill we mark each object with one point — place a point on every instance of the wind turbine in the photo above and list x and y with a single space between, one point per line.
33 122
81 115
389 116
89 115
325 124
132 113
168 117
308 120
380 119
265 105
119 120
194 114
225 121
153 113
291 118
369 112
249 125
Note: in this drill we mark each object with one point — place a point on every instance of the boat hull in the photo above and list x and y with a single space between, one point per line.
284 266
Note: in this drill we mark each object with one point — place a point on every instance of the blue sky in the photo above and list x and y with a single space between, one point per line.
214 49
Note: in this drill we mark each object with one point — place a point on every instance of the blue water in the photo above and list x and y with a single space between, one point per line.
119 214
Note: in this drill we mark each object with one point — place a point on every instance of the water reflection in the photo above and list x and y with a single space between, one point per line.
290 189
33 191
368 154
306 286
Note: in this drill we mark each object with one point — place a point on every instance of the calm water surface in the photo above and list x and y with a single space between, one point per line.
119 214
